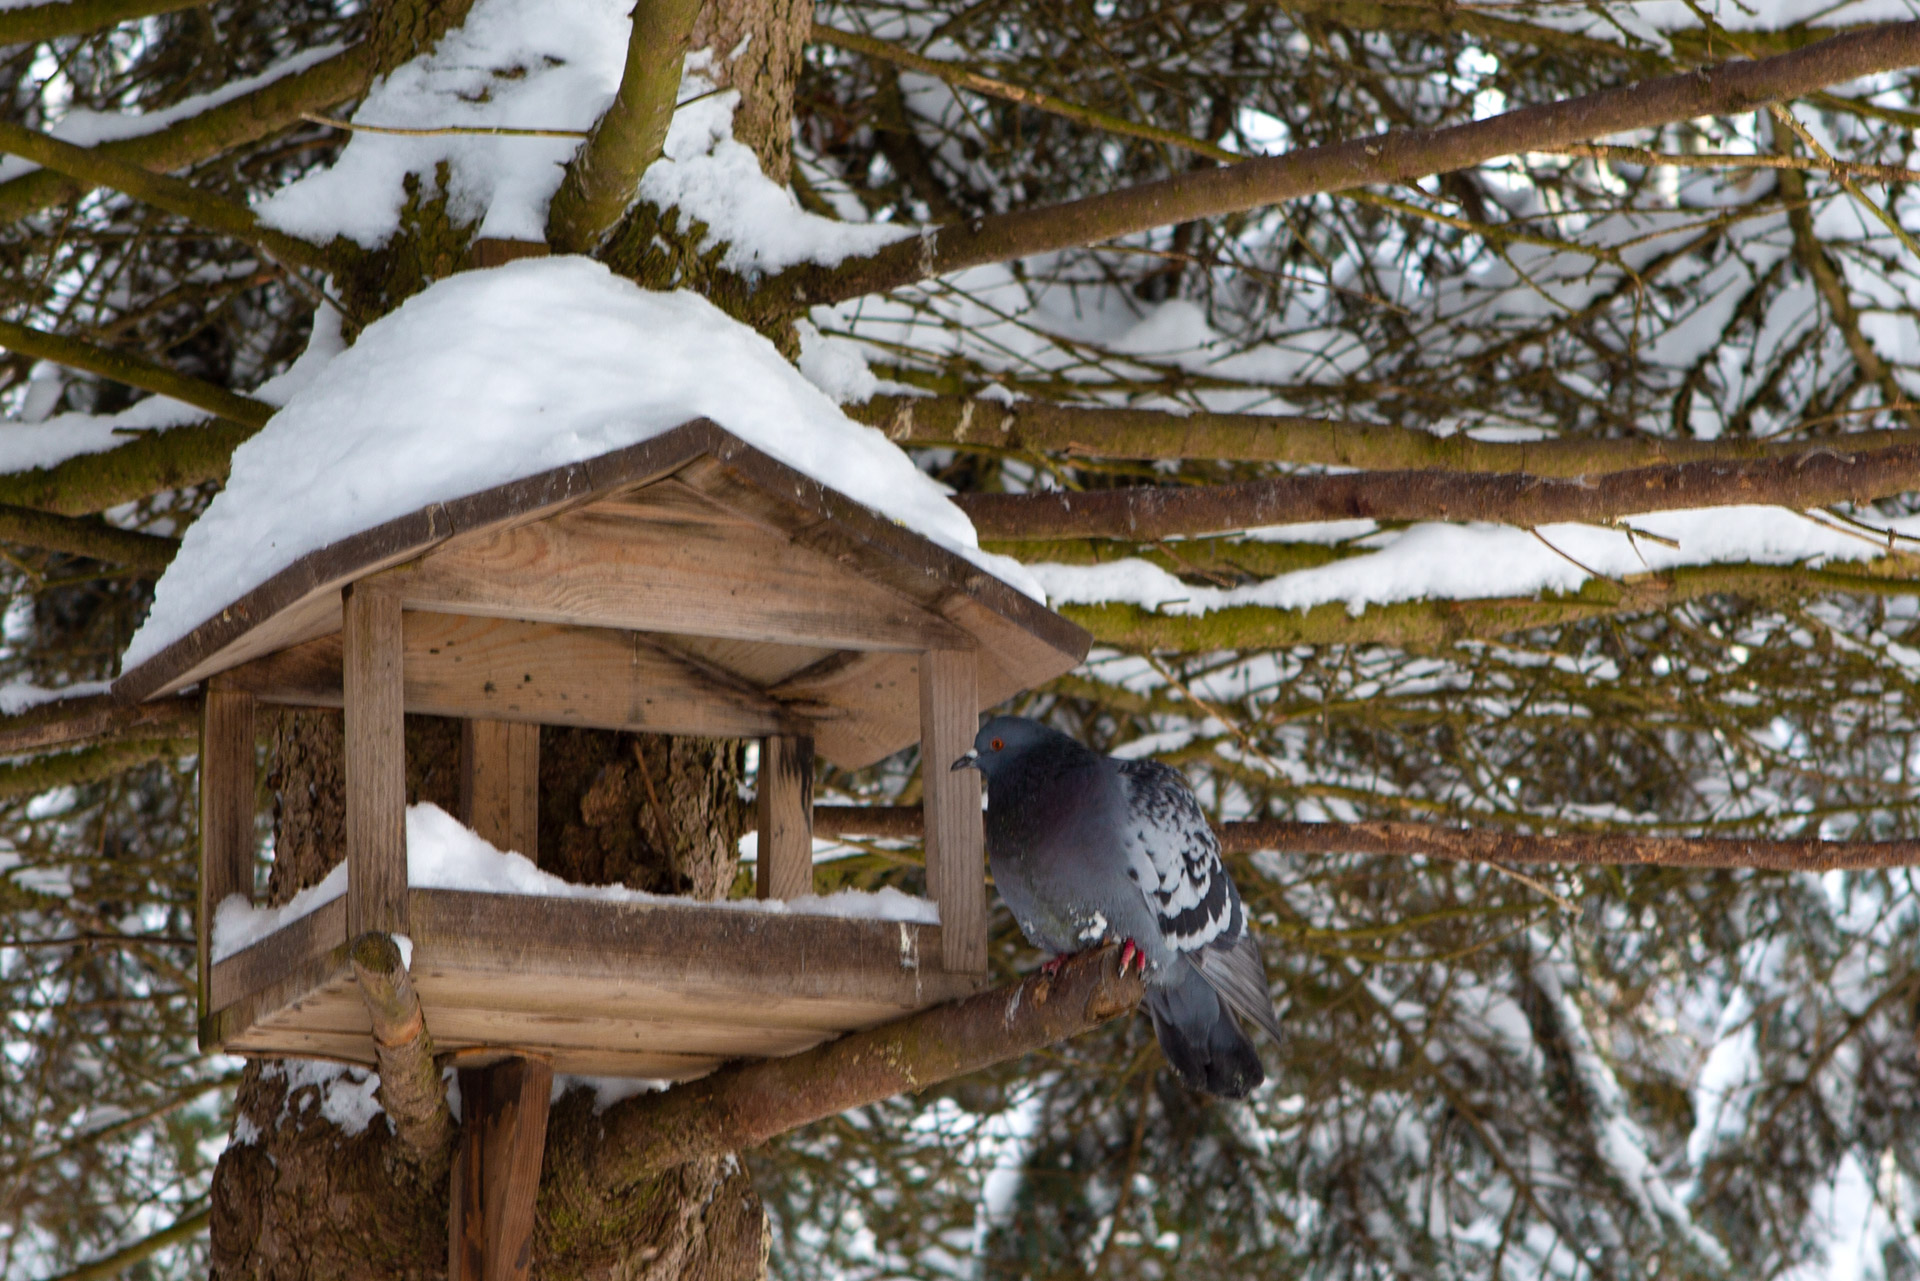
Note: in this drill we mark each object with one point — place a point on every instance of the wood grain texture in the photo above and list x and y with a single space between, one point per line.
376 761
496 1171
783 804
498 669
955 836
226 815
500 783
302 602
604 567
286 950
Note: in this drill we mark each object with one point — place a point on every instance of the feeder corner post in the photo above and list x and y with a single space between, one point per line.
956 839
373 690
783 806
226 813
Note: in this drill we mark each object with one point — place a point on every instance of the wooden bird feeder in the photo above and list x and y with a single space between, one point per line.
686 585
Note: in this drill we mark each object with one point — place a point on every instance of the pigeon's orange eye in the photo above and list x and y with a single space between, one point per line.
997 744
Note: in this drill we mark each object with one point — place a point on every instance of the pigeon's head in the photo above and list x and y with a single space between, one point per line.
1003 741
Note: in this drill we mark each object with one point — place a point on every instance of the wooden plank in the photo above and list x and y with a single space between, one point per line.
226 816
279 1043
283 997
466 1014
496 1170
600 567
279 954
784 804
500 783
956 841
499 669
679 958
376 761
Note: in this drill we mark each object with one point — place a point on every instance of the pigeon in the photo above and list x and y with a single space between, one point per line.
1089 850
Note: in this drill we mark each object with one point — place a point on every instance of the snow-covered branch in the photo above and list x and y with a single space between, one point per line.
1399 156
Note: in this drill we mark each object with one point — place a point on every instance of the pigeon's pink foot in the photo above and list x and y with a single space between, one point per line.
1051 966
1130 954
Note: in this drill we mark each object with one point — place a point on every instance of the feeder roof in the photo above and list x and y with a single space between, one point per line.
689 583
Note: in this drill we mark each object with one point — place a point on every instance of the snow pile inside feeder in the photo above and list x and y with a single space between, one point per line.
490 376
444 854
549 66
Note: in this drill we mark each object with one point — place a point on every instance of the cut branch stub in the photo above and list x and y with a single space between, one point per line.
412 1090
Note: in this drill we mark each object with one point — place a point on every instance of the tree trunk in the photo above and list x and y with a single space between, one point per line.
756 47
299 1194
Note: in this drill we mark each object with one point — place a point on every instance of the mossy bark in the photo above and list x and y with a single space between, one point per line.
304 1198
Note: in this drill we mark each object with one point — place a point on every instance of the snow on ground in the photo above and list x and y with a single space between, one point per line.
443 854
490 376
549 66
1467 562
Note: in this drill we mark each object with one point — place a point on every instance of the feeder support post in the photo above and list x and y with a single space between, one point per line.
496 1170
376 760
226 811
956 840
783 804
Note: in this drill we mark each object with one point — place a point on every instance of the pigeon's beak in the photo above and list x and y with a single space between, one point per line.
970 761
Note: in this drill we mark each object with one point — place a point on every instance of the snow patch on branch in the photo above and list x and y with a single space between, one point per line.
1476 562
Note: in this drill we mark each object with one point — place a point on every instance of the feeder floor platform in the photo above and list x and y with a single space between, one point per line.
600 989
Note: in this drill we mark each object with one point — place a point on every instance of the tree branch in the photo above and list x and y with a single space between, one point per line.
601 178
235 123
134 371
1393 157
119 1261
1466 845
33 23
1811 476
162 191
1444 622
156 460
412 1090
1099 431
89 765
747 1104
67 722
87 536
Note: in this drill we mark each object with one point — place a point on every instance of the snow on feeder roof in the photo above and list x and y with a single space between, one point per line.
539 495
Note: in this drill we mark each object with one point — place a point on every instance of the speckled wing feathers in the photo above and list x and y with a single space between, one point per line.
1174 857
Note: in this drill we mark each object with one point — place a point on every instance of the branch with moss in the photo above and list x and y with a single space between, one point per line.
1466 845
68 722
1103 432
87 536
31 24
157 460
1811 476
248 118
1400 156
744 1105
602 176
134 371
89 765
184 1228
162 191
1429 623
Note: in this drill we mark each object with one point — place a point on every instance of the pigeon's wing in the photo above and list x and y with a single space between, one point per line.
1239 977
1174 857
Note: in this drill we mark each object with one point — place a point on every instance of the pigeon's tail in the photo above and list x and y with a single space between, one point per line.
1200 1037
